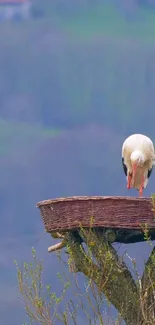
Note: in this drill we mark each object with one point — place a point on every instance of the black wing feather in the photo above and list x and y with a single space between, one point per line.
124 166
149 172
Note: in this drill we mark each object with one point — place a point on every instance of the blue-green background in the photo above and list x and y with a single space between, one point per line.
75 80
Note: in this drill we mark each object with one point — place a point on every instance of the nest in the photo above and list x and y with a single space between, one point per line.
122 214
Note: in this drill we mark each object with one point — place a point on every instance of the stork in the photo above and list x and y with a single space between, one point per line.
138 158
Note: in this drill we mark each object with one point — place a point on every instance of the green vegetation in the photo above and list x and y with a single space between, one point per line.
13 132
89 21
107 282
68 69
102 18
105 20
8 129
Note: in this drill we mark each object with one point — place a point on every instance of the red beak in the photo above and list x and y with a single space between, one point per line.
134 168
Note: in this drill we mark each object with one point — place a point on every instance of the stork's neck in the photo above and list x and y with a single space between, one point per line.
137 156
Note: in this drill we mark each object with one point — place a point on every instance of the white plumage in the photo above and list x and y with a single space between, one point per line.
138 158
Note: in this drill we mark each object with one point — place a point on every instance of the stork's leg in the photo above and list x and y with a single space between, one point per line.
141 187
129 181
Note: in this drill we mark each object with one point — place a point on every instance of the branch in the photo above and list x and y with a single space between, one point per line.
108 273
57 246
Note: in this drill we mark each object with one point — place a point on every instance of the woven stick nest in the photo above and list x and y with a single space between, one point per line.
70 213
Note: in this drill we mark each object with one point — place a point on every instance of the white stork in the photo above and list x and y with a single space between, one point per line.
138 158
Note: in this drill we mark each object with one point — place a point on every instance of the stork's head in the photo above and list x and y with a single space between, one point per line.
137 159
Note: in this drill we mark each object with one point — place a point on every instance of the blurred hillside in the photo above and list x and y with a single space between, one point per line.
94 66
75 79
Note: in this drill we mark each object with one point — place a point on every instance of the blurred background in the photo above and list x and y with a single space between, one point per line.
76 78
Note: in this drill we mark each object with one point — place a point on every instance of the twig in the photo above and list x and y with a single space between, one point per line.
56 234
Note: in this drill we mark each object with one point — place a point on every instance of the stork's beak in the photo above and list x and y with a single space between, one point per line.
134 168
